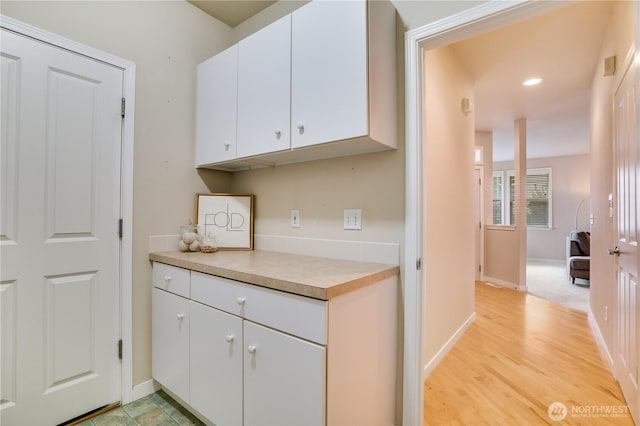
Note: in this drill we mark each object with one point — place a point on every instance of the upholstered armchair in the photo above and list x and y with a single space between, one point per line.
578 254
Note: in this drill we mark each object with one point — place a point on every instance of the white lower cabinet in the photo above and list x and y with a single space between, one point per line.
216 364
231 370
284 379
241 354
170 342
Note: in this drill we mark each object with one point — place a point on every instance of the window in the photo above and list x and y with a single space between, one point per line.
539 198
498 195
538 195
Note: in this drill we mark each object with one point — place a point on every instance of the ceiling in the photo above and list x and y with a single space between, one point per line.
231 12
562 47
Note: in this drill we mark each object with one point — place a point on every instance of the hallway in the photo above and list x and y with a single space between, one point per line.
521 355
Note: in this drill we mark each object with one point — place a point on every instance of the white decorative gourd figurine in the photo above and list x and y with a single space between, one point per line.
189 238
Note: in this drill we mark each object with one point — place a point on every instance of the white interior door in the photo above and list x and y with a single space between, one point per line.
627 167
60 205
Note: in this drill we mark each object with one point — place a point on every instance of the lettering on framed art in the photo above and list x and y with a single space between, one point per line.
228 217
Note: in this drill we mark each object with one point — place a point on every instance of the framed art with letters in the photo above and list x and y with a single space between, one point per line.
228 217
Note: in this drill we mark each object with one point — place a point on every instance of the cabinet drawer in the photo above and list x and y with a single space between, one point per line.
293 314
171 279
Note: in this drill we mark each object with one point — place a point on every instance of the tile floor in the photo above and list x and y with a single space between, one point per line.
156 409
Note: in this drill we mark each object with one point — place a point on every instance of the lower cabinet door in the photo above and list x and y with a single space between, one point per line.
216 364
170 342
284 379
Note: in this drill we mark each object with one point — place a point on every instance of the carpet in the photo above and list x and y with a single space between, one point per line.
551 281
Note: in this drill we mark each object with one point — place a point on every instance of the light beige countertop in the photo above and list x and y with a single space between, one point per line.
317 277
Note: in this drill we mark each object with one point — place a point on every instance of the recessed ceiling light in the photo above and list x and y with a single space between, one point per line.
532 81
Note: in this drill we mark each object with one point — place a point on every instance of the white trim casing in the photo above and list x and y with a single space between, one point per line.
502 283
602 344
126 183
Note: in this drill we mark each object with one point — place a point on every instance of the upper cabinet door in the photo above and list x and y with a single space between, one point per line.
264 79
329 81
217 107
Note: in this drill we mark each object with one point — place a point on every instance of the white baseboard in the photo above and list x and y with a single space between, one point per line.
507 284
602 344
360 251
547 261
433 363
145 388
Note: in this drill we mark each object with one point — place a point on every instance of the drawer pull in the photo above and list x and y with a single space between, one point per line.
241 300
167 278
252 349
180 317
230 338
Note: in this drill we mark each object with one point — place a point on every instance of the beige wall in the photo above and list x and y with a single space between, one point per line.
570 185
502 256
449 214
617 42
166 40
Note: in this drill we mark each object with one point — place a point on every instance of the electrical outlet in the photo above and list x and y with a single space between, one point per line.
352 218
295 218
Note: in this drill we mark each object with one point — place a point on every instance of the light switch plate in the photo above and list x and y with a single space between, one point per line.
295 218
353 219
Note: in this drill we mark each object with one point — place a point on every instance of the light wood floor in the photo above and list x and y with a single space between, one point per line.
520 355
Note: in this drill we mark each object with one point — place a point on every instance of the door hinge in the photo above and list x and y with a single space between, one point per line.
120 226
480 181
419 263
123 106
479 268
120 349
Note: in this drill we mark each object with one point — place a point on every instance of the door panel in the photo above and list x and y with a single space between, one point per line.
264 88
71 182
329 87
627 346
8 140
170 342
296 368
216 364
59 272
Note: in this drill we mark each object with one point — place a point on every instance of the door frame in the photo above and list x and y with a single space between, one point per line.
126 181
486 16
479 188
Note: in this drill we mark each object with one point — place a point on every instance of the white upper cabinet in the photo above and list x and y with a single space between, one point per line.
264 90
329 85
318 83
216 108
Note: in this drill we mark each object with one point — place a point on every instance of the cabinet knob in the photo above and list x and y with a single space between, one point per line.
180 317
252 349
278 133
226 146
230 338
300 127
167 278
241 300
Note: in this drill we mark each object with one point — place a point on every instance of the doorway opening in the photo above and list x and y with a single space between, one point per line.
432 37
